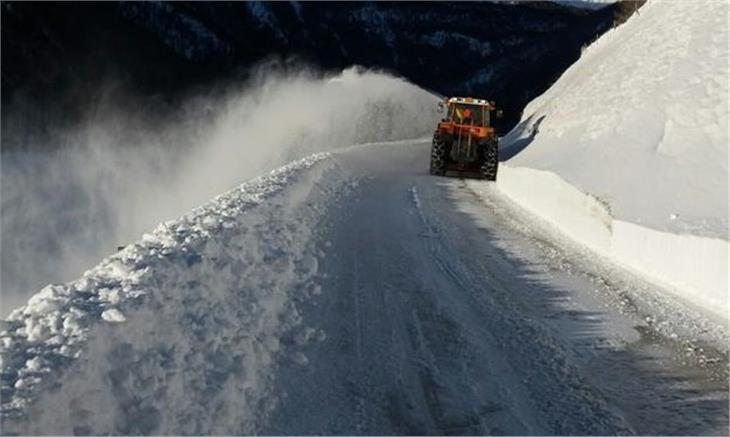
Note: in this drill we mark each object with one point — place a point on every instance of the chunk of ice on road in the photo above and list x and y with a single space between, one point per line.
301 359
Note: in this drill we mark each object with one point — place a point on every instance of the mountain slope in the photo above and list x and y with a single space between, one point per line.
54 73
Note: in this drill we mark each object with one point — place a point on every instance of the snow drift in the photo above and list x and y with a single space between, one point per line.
628 151
174 334
67 205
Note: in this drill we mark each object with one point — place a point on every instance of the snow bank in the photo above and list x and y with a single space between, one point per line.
694 268
628 151
176 333
641 120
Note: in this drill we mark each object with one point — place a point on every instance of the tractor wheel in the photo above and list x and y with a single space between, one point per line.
439 156
490 160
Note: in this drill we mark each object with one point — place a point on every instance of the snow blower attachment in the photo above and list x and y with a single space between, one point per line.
464 141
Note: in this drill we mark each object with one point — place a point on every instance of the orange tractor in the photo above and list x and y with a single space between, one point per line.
465 141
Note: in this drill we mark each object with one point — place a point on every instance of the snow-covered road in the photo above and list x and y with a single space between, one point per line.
352 293
446 312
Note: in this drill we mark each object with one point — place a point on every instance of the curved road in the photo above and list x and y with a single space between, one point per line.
447 312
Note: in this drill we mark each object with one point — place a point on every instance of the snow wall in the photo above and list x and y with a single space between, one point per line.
695 268
68 204
627 152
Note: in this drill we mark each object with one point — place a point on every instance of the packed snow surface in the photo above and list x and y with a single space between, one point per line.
641 120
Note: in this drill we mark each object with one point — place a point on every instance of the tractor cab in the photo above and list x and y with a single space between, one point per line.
465 140
468 114
469 111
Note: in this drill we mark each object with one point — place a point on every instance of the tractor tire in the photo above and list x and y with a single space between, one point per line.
439 156
489 160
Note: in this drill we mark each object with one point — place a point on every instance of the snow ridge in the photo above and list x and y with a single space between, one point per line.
178 329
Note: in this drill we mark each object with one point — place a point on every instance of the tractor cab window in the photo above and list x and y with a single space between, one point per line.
469 114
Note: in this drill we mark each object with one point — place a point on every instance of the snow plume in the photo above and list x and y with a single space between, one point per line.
67 205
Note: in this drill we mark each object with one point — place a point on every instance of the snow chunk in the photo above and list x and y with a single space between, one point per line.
305 336
301 359
113 315
36 330
321 336
45 301
110 295
34 364
27 382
